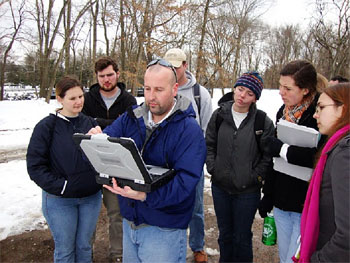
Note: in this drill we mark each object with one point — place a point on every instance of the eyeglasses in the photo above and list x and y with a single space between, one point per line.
163 63
319 108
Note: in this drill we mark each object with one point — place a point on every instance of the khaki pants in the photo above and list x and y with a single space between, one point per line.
115 219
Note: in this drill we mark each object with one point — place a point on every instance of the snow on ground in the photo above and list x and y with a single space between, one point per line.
20 198
18 118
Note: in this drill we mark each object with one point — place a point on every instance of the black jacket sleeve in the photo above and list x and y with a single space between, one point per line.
304 156
211 141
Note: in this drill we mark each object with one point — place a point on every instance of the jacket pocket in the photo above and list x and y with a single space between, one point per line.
81 184
245 177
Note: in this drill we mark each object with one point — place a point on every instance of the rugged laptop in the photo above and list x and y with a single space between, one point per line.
120 158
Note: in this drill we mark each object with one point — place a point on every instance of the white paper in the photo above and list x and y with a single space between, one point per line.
300 172
293 134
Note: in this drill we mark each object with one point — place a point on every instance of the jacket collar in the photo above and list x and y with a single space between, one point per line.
59 115
182 109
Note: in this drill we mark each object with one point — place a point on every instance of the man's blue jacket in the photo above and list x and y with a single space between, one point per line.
177 143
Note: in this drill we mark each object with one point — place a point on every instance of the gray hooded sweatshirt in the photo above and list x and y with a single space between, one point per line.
206 107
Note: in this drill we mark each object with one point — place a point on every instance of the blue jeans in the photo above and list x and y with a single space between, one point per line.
196 239
153 244
235 215
288 231
72 222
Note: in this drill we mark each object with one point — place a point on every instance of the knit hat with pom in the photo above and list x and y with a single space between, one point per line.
253 81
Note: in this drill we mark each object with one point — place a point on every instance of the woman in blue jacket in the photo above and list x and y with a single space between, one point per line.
71 198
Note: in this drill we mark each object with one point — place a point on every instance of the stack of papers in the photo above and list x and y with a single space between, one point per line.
293 134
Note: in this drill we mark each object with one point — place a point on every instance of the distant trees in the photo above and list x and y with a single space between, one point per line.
282 45
49 29
222 39
333 39
326 43
233 37
9 35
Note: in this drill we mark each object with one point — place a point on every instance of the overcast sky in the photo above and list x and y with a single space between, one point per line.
284 12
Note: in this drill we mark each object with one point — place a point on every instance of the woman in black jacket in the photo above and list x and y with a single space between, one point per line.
238 164
71 198
298 80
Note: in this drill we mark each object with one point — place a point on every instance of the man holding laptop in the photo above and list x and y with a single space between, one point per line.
166 133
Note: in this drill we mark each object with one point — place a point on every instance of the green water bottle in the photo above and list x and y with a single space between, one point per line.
269 235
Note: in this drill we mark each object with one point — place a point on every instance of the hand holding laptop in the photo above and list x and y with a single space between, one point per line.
95 130
126 191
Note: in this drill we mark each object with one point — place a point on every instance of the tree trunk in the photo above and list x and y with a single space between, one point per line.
200 65
67 36
105 31
122 38
94 37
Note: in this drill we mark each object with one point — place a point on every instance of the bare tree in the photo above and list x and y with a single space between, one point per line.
282 45
201 42
220 50
67 25
4 2
106 23
146 25
17 16
230 30
76 39
94 14
141 30
46 40
48 29
333 38
243 16
122 36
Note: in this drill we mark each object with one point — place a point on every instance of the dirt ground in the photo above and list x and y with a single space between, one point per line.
38 246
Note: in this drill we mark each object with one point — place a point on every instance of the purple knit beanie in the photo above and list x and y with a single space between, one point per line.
252 81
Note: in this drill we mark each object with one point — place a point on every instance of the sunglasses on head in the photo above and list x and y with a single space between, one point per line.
163 63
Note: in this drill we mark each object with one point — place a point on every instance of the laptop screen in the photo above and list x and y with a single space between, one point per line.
117 157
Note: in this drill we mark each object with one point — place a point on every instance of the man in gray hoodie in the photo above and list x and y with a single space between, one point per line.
187 81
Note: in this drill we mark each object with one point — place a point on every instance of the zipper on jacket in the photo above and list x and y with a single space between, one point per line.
149 137
115 102
159 127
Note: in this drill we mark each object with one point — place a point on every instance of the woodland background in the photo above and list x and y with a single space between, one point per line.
41 40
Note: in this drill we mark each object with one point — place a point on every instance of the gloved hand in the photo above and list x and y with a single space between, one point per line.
273 146
265 206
